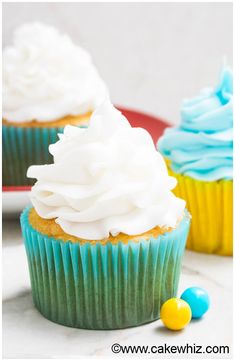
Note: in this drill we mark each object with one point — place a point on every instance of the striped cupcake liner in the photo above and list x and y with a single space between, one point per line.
211 207
23 147
103 286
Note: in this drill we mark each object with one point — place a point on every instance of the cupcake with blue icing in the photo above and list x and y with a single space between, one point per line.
199 154
106 235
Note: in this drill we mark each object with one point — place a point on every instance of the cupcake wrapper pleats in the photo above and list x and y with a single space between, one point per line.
103 286
211 207
23 147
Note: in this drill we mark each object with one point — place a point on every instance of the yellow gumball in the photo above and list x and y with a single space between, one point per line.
175 314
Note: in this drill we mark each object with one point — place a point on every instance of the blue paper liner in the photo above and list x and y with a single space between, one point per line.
23 147
103 286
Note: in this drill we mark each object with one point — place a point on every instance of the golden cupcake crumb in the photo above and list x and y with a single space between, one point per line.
50 228
82 119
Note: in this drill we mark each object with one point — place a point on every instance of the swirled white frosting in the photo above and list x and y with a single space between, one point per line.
46 76
106 179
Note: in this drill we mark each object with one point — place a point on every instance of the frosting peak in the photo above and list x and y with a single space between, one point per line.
202 146
106 179
46 76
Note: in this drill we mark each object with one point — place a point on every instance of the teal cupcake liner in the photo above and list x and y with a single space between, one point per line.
103 286
23 147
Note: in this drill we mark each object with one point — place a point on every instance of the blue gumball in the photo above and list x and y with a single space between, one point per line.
198 300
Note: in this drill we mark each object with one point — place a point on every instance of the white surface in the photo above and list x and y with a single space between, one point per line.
26 334
14 202
151 55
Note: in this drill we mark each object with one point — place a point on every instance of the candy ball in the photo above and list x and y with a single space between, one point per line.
198 300
175 314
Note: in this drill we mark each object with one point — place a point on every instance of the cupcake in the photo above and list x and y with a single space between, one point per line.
105 236
48 82
199 154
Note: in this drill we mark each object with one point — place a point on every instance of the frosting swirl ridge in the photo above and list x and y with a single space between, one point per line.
105 179
46 76
202 146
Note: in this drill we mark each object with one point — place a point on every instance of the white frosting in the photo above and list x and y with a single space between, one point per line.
46 76
106 179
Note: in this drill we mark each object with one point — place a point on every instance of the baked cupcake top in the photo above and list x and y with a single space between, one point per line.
106 179
202 146
47 77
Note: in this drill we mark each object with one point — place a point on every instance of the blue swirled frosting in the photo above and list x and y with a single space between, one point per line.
202 146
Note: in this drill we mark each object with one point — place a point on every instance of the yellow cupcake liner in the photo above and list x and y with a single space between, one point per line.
211 207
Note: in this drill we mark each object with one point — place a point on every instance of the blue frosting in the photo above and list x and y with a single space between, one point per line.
202 146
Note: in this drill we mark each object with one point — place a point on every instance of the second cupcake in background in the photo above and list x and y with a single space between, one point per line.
106 236
48 82
199 154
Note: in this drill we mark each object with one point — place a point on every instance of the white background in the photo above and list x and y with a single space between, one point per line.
151 55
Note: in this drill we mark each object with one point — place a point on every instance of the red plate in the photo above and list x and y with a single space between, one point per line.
152 124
